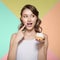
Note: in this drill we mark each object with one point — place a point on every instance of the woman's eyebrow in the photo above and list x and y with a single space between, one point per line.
26 13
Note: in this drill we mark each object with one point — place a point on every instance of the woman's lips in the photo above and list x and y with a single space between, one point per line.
29 24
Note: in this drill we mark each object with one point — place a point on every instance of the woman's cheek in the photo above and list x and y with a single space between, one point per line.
34 22
25 23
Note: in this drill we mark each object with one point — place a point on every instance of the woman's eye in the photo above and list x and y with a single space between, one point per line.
33 16
25 16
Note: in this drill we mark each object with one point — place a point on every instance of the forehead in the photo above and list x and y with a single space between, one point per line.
27 12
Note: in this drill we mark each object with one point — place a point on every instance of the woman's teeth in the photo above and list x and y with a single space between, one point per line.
29 24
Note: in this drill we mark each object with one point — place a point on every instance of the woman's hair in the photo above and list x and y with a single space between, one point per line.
35 12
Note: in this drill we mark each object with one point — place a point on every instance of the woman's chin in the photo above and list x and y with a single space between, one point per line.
29 28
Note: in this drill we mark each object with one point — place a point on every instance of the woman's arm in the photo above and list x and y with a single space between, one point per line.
12 49
15 40
42 54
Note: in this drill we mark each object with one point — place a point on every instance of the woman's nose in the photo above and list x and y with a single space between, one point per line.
29 19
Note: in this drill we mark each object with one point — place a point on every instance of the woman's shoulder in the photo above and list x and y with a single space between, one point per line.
13 37
14 34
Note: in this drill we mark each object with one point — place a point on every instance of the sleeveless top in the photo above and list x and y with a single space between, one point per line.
27 50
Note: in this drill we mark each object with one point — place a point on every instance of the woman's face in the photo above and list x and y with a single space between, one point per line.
28 19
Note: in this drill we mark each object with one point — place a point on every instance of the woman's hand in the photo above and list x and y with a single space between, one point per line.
42 55
46 41
17 37
43 41
20 35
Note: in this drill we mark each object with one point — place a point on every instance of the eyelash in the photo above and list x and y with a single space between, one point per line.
33 16
27 16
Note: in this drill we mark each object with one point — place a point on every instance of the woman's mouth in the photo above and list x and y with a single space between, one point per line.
29 24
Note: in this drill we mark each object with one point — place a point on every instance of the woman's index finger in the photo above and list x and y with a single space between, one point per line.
22 28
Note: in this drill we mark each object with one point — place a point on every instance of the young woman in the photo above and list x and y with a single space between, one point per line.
23 44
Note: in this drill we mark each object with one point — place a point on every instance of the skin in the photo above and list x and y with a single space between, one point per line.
28 17
17 38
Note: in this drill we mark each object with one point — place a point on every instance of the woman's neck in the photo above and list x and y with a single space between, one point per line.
29 34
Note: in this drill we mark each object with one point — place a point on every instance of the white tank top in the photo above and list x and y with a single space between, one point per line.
27 50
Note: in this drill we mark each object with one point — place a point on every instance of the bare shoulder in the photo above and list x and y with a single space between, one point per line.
14 34
13 37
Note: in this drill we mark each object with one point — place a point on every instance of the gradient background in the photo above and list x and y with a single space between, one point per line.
49 14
